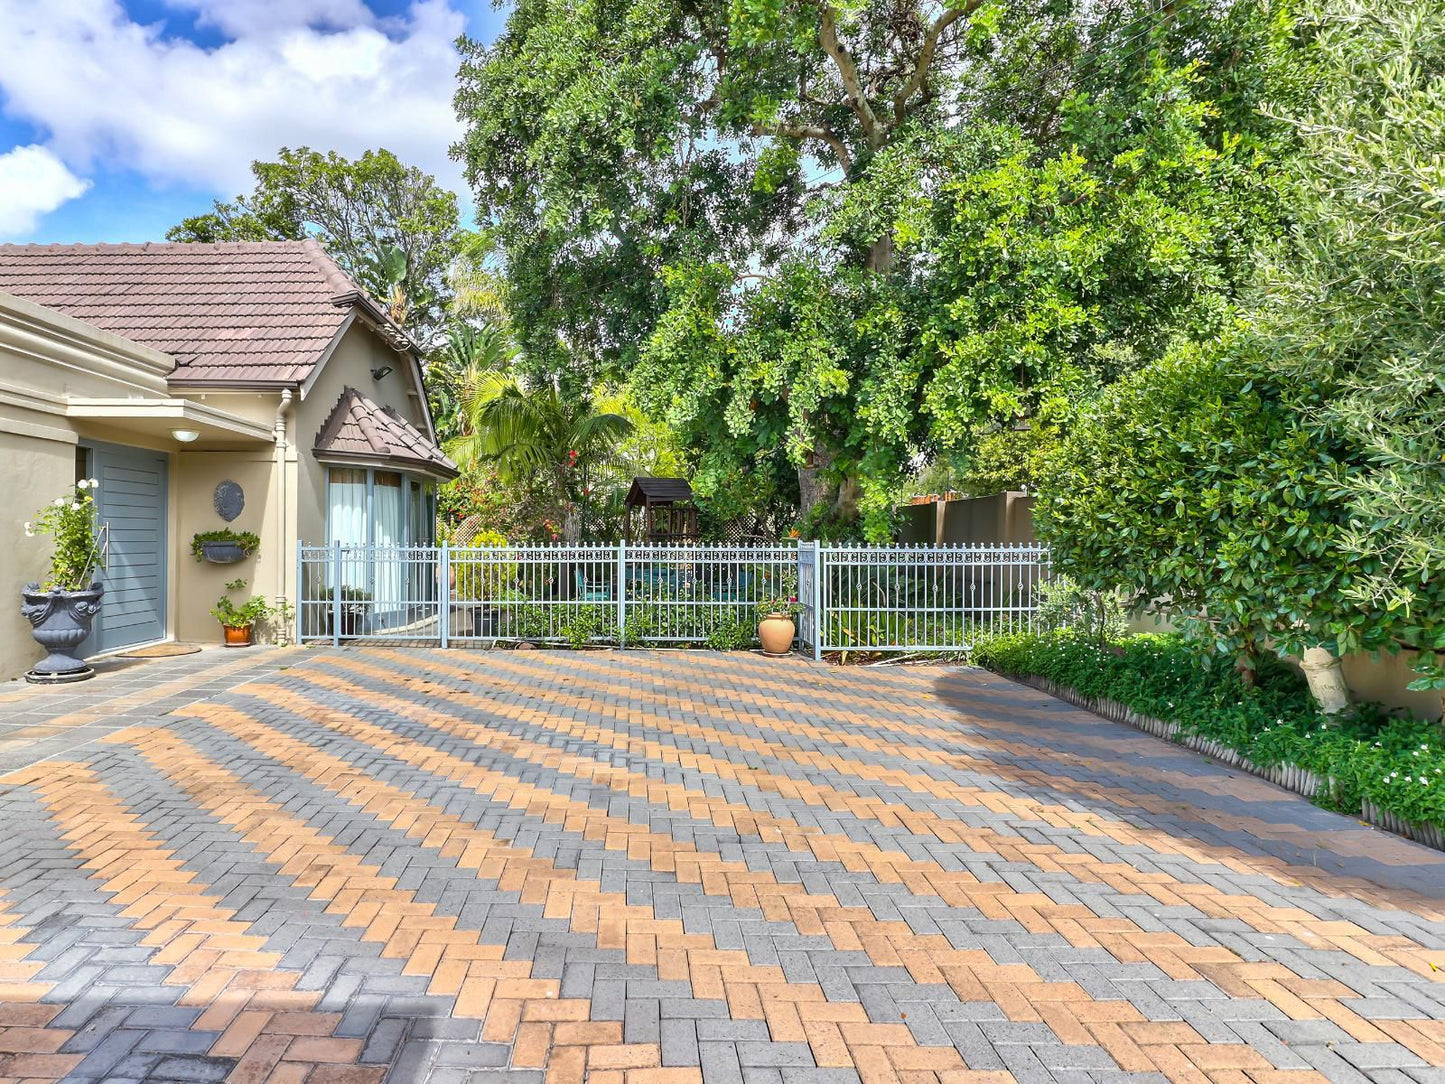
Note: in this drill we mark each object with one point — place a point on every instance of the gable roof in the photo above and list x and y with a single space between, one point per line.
359 429
647 490
250 313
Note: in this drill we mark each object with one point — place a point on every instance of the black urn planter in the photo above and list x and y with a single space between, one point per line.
60 621
223 553
353 623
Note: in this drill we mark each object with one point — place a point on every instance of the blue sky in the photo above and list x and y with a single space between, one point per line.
118 118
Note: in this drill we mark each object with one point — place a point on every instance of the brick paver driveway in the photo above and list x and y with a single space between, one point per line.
655 867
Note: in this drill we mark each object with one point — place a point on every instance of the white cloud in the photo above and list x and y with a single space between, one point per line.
246 18
324 73
33 182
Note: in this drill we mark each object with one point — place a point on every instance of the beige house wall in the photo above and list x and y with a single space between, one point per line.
33 471
47 360
194 477
357 353
51 364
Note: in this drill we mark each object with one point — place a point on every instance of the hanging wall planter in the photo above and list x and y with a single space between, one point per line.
224 547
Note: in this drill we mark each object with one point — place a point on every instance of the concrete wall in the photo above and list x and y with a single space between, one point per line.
1003 518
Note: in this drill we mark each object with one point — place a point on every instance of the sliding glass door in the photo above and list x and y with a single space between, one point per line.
393 513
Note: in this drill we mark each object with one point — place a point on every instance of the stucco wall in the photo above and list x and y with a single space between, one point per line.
200 584
33 471
359 351
1003 518
45 359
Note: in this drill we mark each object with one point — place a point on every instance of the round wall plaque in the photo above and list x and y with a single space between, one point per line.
230 499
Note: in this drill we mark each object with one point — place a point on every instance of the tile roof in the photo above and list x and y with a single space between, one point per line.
243 312
358 428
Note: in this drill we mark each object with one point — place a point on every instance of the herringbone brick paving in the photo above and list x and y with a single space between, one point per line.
633 867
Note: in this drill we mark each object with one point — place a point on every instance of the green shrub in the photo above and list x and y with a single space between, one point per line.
731 635
1064 603
1396 763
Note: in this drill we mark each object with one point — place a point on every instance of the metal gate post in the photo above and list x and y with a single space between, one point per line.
336 594
300 586
621 588
817 601
444 594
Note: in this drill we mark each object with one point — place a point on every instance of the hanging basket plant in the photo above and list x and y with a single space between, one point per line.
224 547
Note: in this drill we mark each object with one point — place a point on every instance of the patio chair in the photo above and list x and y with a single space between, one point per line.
592 590
737 589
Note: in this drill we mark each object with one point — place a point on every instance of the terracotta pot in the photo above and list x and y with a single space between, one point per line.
776 631
237 637
60 621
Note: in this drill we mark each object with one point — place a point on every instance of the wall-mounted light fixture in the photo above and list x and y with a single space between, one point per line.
185 436
380 371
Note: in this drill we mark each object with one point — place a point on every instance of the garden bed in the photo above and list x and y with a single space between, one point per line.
1387 771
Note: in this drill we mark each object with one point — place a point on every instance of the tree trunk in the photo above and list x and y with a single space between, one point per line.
845 502
1246 663
880 256
571 523
812 488
1326 680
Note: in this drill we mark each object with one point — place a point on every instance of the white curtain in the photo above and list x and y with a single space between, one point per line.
346 494
389 507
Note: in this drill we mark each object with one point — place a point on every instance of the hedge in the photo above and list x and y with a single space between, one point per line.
1396 763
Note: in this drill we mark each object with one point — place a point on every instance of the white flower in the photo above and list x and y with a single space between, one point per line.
82 484
94 483
59 502
30 533
74 504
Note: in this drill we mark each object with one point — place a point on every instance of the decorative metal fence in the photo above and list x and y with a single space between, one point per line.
849 598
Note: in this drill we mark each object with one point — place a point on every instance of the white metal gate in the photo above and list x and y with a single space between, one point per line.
848 598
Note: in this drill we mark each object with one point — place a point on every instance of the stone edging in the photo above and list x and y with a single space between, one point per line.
1289 776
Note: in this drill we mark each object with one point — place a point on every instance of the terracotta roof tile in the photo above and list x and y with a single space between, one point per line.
358 428
253 312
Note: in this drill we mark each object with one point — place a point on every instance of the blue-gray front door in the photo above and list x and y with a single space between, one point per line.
132 501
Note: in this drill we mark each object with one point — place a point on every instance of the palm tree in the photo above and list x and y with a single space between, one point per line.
386 275
535 435
459 373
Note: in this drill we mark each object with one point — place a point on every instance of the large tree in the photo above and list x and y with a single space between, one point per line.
1355 300
795 214
389 226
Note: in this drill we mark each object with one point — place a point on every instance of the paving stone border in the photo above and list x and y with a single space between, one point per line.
1290 776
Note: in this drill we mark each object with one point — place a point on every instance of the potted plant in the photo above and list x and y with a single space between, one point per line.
224 547
62 609
354 604
239 622
776 627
